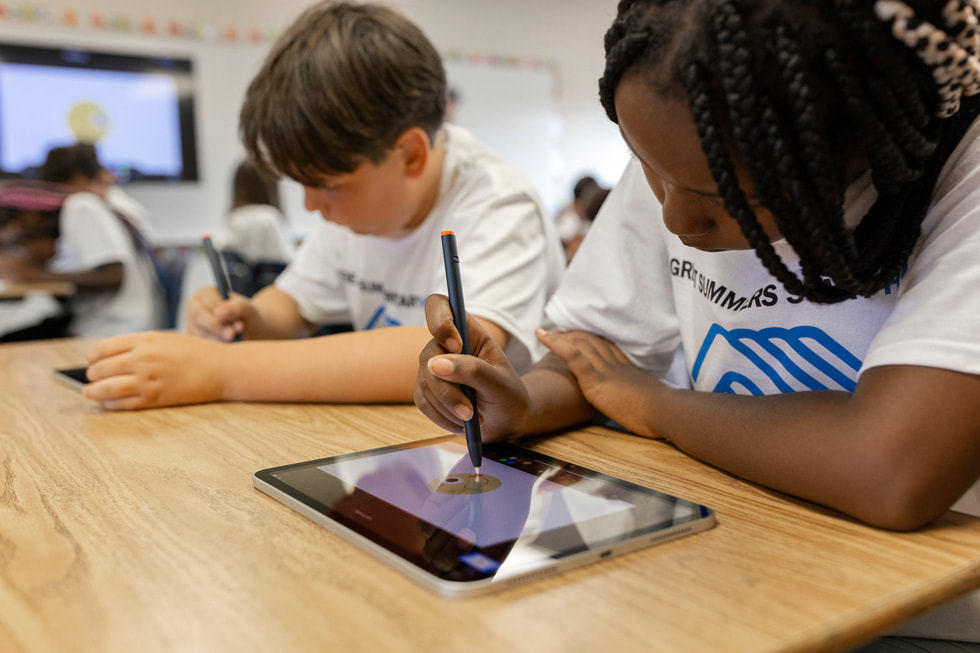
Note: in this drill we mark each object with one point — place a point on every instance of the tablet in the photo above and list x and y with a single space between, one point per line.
75 376
421 508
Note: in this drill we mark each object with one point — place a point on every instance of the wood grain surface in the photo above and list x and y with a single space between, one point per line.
141 531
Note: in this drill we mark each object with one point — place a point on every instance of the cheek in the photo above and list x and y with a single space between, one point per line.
655 184
768 223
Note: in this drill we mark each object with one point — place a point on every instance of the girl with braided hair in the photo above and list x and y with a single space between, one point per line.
800 218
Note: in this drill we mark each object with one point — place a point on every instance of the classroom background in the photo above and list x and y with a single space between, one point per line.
526 74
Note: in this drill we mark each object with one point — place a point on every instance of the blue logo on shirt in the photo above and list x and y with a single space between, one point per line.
805 355
380 319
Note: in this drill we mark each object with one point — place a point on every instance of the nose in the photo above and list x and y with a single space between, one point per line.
314 199
688 214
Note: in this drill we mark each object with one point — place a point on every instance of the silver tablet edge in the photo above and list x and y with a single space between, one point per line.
459 589
67 380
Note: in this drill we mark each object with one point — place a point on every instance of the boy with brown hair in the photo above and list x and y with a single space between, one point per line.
350 103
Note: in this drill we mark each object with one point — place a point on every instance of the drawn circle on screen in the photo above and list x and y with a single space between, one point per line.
464 484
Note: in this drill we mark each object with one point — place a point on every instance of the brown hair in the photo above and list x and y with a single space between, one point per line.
338 89
250 185
63 163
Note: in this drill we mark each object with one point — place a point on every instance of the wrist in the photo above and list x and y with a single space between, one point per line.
226 376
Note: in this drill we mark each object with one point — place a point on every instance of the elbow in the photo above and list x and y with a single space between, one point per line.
108 276
900 516
903 500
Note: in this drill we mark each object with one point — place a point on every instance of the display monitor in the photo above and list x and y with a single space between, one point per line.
138 110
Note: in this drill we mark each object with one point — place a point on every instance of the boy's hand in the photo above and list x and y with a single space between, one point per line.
209 316
152 369
607 379
501 396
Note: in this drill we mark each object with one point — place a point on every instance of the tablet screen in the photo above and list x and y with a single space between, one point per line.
424 503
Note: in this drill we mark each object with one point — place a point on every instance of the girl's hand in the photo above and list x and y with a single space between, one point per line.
152 369
607 379
501 396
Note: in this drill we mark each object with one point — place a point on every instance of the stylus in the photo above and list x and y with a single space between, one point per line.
474 443
220 274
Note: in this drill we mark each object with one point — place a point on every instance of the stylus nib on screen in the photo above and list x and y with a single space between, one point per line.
477 471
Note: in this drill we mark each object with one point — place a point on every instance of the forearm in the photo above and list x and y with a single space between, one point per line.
102 278
895 453
556 402
377 366
278 317
807 444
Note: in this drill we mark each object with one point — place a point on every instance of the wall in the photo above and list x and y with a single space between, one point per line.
561 37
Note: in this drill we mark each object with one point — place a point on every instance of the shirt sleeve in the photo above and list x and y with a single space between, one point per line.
510 262
91 235
617 284
936 322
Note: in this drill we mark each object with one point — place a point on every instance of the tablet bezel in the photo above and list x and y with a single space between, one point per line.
74 377
268 481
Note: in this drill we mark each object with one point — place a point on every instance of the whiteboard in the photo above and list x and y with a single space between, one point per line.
513 111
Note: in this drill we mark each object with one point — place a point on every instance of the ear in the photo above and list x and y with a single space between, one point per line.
415 148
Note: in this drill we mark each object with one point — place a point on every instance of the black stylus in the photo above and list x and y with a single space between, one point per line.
220 274
474 443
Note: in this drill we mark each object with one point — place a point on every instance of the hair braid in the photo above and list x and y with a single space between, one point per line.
820 235
746 106
724 174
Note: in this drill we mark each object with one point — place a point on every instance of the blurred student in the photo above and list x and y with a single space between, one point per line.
28 233
388 176
255 239
28 228
256 228
571 220
102 253
590 209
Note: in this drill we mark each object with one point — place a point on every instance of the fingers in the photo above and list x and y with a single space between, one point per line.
439 319
501 396
571 345
436 399
209 316
110 373
110 347
115 393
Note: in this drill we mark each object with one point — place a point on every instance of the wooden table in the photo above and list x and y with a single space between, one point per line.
142 532
13 290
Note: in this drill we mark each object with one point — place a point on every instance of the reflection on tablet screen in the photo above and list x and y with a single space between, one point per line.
514 501
424 503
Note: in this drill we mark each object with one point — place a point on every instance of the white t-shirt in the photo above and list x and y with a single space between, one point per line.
92 235
510 256
570 224
135 212
258 232
636 284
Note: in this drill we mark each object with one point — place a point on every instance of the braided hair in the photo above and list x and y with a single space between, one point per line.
796 89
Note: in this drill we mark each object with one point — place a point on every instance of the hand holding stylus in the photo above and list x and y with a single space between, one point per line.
503 399
474 441
222 282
